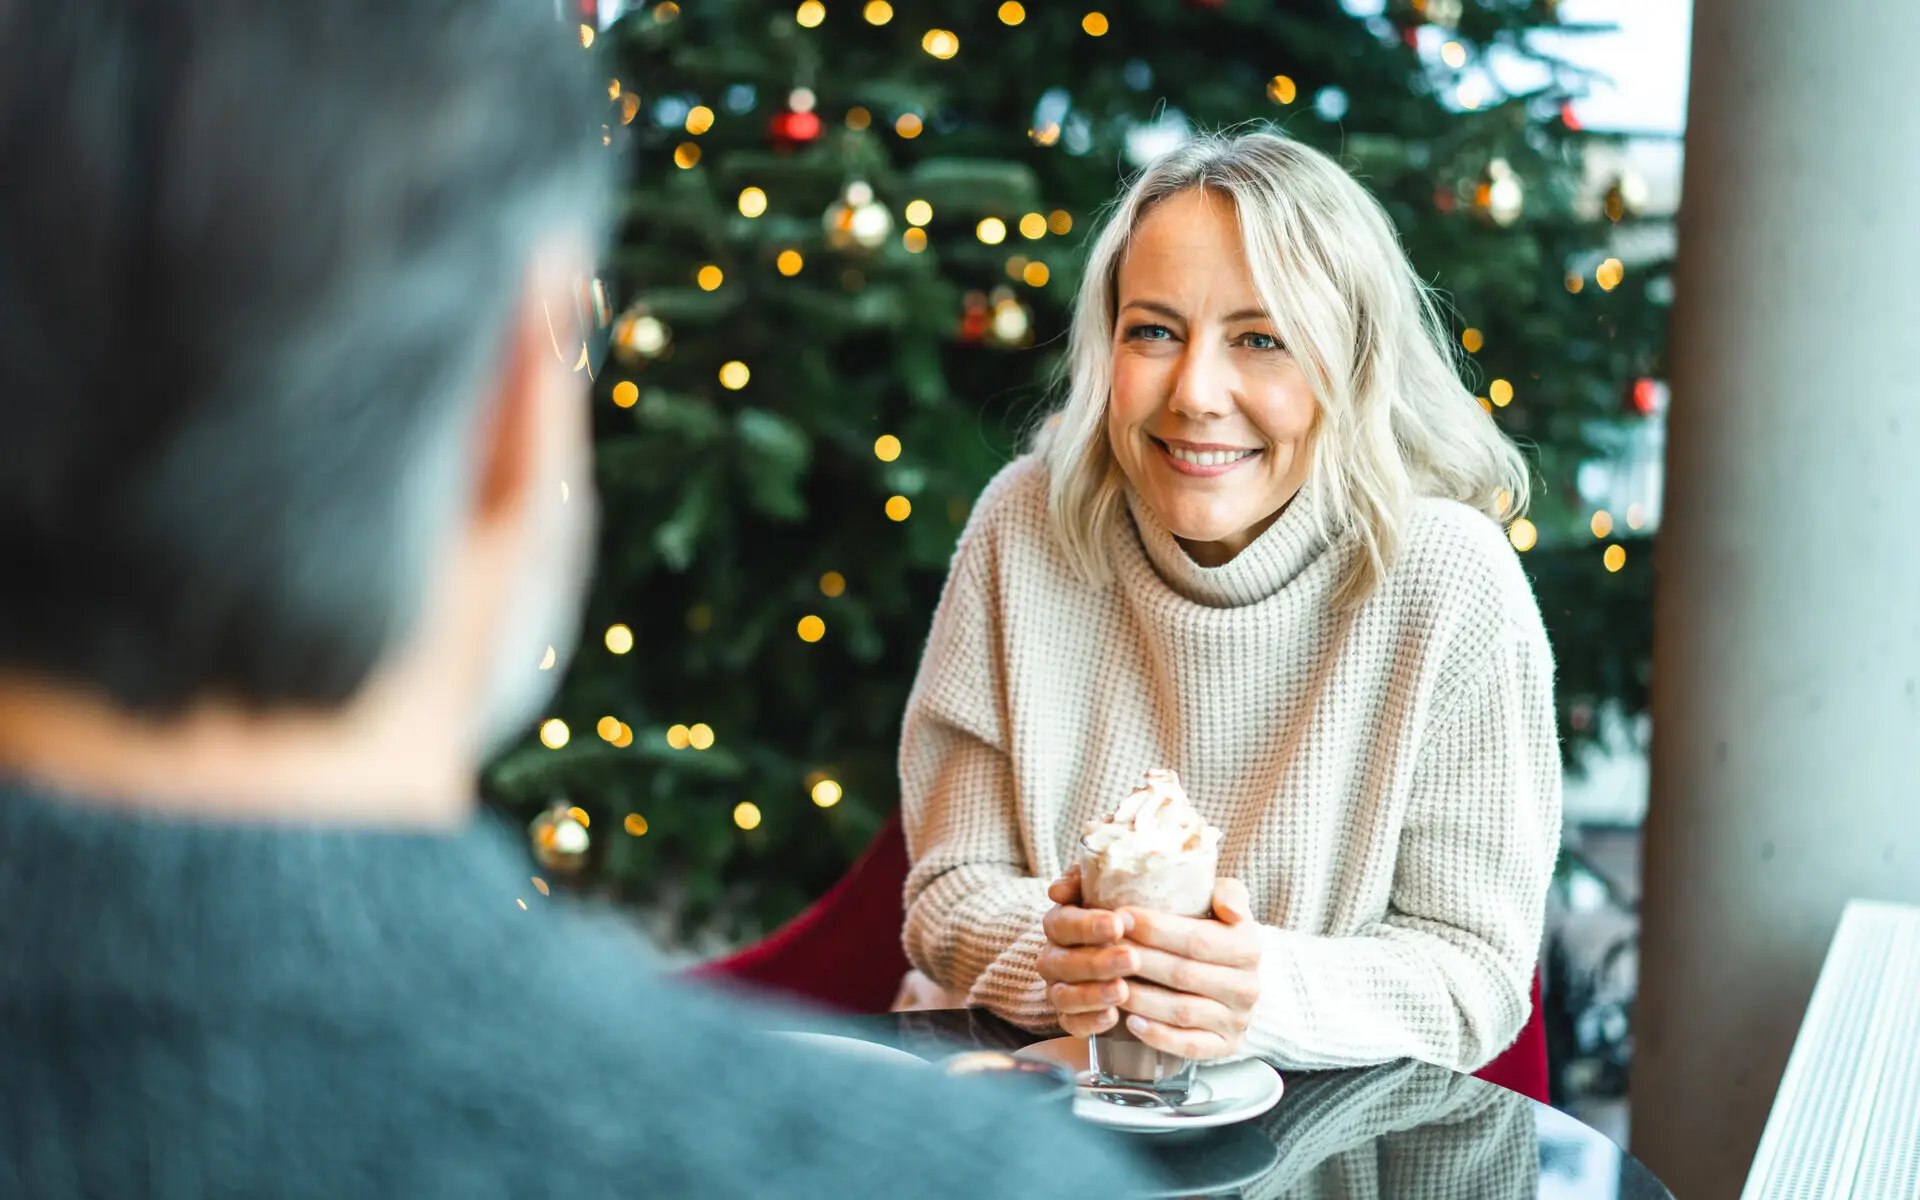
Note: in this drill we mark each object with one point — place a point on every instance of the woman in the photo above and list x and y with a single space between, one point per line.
1259 543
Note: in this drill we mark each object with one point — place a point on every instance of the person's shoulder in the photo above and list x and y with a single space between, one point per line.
1455 562
1010 521
748 1112
1014 502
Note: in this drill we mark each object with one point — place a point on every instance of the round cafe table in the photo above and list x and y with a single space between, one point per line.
1402 1131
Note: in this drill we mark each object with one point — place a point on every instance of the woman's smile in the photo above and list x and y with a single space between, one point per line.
1205 460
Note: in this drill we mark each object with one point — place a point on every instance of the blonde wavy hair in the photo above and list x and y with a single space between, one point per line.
1394 421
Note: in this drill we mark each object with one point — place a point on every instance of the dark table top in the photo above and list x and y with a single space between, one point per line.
1402 1131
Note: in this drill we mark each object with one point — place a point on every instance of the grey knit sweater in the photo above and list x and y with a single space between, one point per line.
212 1010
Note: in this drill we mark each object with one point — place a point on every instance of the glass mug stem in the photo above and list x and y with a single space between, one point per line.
1118 1057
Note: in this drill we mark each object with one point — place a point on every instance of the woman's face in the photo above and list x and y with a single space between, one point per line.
1210 417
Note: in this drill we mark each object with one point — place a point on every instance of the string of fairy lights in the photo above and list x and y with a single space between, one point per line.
858 220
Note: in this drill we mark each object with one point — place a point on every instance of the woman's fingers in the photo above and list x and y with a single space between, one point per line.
1088 1024
1075 998
1185 1011
1066 925
1228 945
1087 964
1187 1043
1066 889
1236 987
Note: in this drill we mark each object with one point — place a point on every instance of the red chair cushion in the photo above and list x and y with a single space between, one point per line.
844 953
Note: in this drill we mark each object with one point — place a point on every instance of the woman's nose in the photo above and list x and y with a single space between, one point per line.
1202 383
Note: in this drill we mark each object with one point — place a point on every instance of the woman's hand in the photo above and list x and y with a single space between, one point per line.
1197 979
1087 960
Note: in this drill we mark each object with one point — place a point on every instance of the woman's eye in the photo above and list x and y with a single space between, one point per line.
1260 341
1148 333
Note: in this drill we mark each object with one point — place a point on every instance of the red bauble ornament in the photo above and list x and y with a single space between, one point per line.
1649 396
1569 118
974 318
789 130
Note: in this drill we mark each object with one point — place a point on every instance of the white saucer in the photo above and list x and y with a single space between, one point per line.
1252 1084
854 1047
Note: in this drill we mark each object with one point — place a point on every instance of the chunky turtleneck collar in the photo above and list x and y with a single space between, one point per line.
1268 564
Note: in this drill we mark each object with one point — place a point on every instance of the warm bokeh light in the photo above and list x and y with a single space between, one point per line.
1502 501
877 12
1575 283
1500 392
678 737
915 240
1012 13
1060 222
1454 55
1282 90
826 793
811 628
1095 24
811 14
886 447
858 118
700 736
1522 534
992 231
665 12
918 212
548 659
1036 274
899 508
734 375
710 277
1033 226
636 824
685 155
1016 266
699 119
629 107
789 262
540 885
1471 340
553 734
1609 274
625 738
1636 516
832 584
1615 557
580 814
626 394
753 202
1602 523
586 36
746 815
941 43
619 639
608 728
909 125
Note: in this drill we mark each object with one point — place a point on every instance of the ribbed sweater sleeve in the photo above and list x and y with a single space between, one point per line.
1444 976
973 903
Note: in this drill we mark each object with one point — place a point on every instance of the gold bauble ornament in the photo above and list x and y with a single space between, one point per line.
856 219
558 839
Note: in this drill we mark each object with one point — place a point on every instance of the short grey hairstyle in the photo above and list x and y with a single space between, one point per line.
255 264
1394 422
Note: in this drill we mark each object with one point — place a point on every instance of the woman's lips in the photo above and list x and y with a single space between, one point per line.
1213 461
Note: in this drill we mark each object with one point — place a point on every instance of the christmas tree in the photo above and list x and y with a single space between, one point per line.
847 253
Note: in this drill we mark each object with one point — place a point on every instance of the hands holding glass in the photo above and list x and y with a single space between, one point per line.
1186 985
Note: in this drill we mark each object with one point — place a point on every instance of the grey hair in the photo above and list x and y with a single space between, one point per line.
255 265
1393 420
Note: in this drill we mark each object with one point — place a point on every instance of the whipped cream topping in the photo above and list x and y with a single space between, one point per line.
1155 821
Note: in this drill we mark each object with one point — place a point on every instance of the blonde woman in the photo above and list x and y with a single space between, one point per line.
1259 543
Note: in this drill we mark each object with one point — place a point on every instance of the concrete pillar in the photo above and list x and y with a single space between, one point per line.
1786 705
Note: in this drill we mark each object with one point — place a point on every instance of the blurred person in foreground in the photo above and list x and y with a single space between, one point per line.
294 491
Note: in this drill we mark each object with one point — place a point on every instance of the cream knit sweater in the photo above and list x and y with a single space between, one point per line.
1388 779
